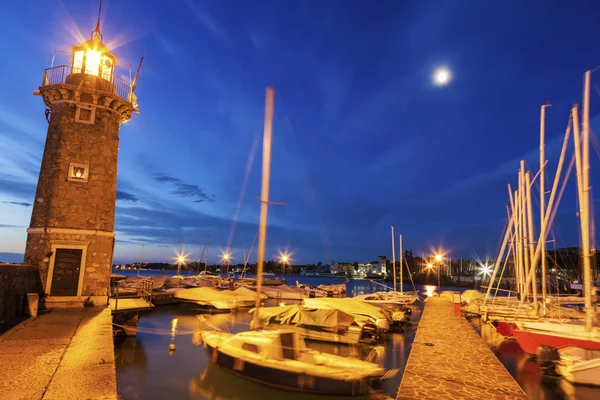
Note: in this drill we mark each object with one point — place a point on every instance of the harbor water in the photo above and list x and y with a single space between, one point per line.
147 369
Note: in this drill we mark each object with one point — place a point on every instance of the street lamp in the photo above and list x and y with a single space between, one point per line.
438 258
226 257
180 260
284 258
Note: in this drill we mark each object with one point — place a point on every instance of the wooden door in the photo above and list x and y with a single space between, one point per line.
65 278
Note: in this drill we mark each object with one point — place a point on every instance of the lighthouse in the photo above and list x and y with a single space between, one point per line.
71 235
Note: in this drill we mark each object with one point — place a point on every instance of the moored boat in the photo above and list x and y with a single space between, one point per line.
280 359
579 366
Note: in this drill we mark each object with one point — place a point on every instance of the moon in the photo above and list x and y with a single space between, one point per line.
442 76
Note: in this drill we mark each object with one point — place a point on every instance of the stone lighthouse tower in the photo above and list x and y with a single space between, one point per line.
71 236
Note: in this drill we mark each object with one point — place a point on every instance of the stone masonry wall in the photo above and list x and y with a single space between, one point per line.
15 282
80 205
96 278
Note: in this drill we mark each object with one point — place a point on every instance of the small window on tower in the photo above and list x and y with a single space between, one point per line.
85 114
78 172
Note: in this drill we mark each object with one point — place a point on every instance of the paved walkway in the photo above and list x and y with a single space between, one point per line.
65 354
449 360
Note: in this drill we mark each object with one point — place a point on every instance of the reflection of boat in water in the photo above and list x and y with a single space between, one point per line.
217 384
579 366
281 359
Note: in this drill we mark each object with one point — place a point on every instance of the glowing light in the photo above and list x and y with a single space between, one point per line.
284 258
486 270
442 76
226 257
438 257
430 265
92 62
78 173
430 290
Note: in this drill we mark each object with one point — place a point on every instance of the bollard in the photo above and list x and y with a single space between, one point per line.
32 304
456 301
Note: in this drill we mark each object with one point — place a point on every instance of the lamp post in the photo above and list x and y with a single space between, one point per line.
284 259
180 260
439 258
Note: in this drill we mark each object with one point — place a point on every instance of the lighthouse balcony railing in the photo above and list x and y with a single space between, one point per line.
58 75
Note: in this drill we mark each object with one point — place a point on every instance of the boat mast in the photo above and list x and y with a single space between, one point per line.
530 242
542 202
264 198
401 257
585 204
141 259
393 259
206 263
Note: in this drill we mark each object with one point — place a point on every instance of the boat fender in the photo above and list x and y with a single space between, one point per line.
312 294
238 364
547 355
215 356
383 324
278 293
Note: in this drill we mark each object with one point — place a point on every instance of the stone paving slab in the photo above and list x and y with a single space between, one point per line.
65 354
449 360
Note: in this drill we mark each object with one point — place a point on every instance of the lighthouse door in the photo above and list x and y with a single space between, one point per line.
65 275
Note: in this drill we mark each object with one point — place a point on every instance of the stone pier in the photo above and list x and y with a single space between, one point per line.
62 355
449 360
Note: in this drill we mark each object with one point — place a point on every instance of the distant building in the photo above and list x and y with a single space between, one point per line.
340 268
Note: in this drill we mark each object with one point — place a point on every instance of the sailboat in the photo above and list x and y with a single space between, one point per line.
569 333
393 297
280 358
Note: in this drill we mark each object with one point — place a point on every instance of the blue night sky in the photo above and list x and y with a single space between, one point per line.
362 138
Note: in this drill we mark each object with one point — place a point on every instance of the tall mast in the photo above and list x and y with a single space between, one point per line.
393 259
206 263
141 259
543 201
585 204
401 259
530 242
264 199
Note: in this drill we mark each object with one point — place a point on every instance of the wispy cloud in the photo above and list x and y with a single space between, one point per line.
20 190
208 21
18 203
10 226
184 189
121 195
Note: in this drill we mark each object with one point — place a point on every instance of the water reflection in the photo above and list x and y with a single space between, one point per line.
528 373
146 369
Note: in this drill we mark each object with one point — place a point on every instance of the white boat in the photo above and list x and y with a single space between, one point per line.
209 298
335 289
579 366
284 292
387 298
280 358
362 312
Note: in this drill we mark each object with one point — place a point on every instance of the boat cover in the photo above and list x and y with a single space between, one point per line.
332 320
363 313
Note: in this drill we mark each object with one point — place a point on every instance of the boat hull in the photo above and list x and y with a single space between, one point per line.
289 380
530 340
